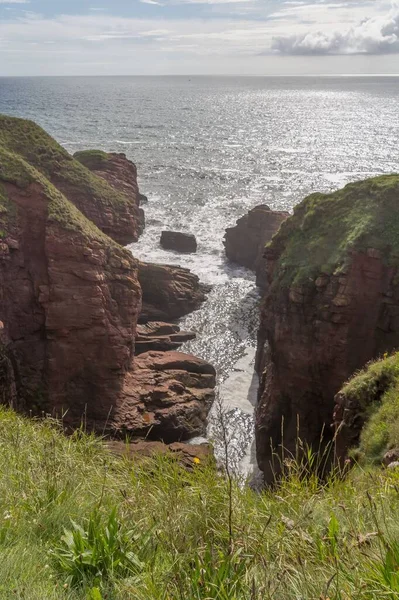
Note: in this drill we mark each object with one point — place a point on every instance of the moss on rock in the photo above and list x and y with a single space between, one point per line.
325 228
375 390
40 150
92 159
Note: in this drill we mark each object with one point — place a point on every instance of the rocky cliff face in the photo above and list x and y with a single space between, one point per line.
114 212
245 242
69 303
332 305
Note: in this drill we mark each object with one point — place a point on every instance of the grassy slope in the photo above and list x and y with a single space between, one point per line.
324 227
14 169
376 389
92 159
40 150
304 540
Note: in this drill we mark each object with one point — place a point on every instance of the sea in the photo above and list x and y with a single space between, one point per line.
207 150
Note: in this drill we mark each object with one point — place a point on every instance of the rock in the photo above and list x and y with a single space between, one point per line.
188 455
166 396
331 306
392 456
245 242
181 242
169 292
120 173
70 299
160 336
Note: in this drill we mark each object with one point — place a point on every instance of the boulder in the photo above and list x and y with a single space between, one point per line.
169 292
166 396
160 336
245 242
180 242
332 305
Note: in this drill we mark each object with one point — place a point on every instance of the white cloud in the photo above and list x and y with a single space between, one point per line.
14 1
373 35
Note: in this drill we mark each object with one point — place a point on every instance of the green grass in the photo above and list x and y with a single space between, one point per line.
376 390
40 150
326 227
92 159
14 169
78 523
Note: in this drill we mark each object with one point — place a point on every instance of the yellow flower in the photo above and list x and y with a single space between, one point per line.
196 460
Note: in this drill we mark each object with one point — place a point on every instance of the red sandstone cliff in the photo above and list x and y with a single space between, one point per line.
332 305
69 303
245 242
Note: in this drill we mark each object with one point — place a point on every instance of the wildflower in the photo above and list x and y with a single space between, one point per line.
196 460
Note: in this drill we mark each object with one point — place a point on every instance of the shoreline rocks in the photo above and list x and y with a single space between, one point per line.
155 335
178 241
245 242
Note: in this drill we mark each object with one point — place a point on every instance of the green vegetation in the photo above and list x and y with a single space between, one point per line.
78 523
376 390
92 159
326 227
40 150
14 169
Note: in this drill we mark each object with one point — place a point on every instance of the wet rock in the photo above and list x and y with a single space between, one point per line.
245 242
178 241
169 292
160 336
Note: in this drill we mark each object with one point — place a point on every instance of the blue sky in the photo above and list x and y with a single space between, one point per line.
250 37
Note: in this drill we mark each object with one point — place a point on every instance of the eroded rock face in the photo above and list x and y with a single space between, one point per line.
155 335
178 241
166 396
69 307
120 173
329 309
245 242
169 292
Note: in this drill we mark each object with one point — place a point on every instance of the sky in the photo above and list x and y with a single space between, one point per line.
193 37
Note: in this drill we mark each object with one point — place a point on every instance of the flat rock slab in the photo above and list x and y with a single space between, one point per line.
178 241
188 455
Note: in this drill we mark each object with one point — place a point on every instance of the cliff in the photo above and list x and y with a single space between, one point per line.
245 242
70 300
115 212
366 413
332 305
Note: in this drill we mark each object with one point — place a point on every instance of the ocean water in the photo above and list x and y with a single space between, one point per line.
207 150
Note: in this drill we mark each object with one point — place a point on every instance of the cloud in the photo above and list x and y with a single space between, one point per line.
375 35
14 1
152 2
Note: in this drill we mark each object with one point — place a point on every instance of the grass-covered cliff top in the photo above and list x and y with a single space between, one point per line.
40 150
376 389
325 227
77 523
15 170
92 159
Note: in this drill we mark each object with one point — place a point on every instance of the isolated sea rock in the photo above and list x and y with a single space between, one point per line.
119 172
156 335
331 306
178 241
169 292
166 396
245 242
114 213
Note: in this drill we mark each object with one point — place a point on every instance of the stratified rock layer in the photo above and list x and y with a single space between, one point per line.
245 242
120 173
70 299
332 305
169 292
114 212
155 335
